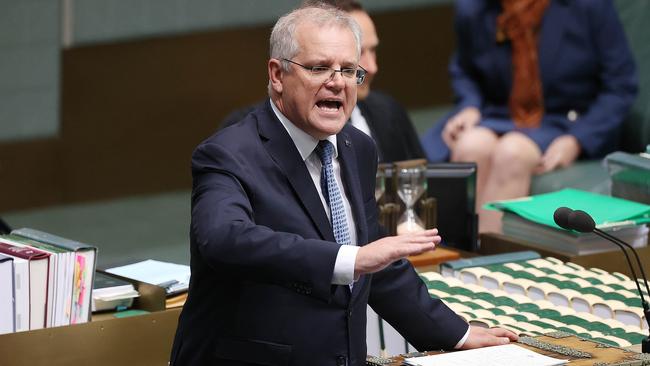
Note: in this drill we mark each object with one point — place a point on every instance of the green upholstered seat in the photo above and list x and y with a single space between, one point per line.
497 311
634 16
586 175
472 305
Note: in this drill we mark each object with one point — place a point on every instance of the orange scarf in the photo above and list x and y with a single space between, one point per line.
519 22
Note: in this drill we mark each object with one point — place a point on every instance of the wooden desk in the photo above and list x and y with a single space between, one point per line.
138 340
426 261
592 353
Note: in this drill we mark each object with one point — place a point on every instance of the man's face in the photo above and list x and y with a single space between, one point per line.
320 108
369 44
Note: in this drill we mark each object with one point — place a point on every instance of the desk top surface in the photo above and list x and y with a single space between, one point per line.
579 351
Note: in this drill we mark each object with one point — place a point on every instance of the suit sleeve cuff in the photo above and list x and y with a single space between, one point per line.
462 340
344 265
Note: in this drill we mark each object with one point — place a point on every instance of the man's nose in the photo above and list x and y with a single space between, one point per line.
336 79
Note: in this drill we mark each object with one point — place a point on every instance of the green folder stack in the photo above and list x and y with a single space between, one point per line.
606 210
531 219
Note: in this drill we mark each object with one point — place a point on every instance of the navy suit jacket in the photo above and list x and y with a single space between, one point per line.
585 66
263 253
391 128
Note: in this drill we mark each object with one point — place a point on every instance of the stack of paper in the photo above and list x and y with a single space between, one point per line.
531 219
571 241
175 278
509 354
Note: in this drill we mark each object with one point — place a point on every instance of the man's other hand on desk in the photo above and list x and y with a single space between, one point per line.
379 254
485 337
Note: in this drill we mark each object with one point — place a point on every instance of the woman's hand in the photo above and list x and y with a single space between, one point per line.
462 121
563 151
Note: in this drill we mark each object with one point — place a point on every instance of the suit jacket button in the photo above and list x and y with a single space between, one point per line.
341 361
572 115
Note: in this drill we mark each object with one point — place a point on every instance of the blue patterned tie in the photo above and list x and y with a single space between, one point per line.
332 194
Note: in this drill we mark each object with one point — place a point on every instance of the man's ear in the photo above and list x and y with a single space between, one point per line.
275 75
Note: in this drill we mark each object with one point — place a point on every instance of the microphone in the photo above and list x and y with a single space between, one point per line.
581 221
561 217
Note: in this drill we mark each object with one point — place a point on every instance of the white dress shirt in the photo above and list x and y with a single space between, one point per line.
359 121
306 144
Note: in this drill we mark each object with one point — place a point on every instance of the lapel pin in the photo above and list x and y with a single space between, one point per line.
347 142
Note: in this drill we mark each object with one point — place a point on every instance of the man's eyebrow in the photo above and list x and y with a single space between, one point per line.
329 63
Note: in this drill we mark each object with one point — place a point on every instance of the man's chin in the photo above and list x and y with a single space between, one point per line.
329 126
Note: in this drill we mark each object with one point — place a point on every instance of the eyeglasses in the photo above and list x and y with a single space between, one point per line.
324 74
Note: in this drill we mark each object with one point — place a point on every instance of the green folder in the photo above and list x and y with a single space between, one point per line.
606 211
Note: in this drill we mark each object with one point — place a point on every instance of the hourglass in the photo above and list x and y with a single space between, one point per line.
380 185
411 184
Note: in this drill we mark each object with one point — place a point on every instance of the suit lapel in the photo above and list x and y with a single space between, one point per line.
550 38
284 153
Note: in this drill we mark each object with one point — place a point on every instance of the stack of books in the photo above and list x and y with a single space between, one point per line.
47 278
112 293
531 220
173 278
571 241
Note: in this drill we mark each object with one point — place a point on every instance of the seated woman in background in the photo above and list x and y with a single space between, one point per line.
538 83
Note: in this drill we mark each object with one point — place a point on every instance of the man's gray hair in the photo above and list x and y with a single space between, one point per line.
283 42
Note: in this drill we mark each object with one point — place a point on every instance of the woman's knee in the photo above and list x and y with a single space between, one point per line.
475 145
515 151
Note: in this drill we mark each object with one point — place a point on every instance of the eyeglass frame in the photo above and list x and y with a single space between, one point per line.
360 72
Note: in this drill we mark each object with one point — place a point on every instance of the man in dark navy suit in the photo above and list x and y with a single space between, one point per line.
285 250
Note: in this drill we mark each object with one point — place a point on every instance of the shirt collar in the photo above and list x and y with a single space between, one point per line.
305 143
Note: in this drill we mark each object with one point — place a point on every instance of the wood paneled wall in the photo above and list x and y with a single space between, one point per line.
132 112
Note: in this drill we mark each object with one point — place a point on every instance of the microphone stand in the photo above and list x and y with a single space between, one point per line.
645 343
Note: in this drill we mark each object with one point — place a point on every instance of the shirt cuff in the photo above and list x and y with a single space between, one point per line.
344 265
462 340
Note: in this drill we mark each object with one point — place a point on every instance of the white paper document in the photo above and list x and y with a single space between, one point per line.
173 277
509 354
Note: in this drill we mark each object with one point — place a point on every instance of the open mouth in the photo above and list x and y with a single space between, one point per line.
329 105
